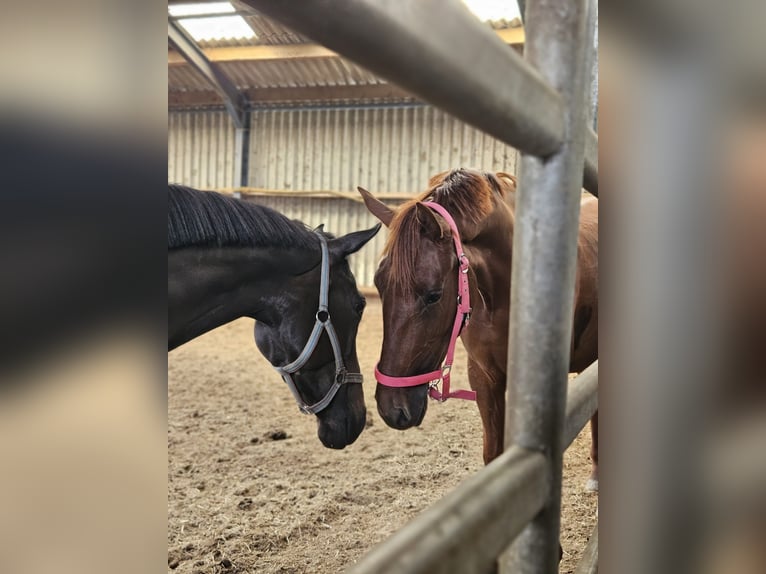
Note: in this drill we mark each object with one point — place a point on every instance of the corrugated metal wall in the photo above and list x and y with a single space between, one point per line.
340 216
394 149
201 149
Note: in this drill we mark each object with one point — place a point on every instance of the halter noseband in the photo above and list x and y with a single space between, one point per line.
323 323
462 317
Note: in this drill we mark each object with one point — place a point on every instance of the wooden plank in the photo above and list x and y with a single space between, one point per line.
512 36
394 197
178 99
262 53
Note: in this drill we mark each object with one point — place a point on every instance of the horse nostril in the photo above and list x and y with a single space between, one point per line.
402 416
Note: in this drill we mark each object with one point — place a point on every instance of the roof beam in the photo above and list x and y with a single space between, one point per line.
191 52
260 52
511 36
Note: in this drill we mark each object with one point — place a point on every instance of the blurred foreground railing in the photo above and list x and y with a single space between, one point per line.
439 51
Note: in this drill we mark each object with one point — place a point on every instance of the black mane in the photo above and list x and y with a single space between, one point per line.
207 218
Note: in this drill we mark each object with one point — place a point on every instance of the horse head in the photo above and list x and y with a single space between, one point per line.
311 323
417 283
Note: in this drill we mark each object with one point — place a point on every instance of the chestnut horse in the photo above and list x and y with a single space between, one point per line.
417 283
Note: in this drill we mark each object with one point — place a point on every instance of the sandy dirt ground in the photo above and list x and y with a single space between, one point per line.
251 488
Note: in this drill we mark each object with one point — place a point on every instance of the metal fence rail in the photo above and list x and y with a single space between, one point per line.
437 50
446 537
582 403
467 529
589 562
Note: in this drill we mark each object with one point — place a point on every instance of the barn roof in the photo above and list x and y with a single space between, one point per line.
276 66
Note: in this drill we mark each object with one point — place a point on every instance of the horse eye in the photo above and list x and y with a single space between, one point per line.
359 307
433 297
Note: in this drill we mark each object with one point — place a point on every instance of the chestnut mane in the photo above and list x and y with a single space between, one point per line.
466 194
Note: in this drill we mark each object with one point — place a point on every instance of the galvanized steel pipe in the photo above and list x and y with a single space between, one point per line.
543 274
464 531
582 403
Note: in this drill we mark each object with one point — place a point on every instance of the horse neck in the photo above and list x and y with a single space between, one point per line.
489 254
209 287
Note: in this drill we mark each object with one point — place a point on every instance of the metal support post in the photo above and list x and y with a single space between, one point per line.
242 154
543 274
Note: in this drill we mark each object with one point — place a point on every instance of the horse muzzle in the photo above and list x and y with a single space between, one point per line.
340 427
402 408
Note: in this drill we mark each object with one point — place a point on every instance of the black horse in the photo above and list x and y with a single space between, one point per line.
229 258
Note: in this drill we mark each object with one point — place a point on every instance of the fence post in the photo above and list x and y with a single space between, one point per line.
543 273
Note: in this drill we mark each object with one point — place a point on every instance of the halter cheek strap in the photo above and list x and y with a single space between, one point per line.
322 323
462 316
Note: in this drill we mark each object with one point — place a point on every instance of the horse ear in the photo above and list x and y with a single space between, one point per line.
431 225
379 209
352 242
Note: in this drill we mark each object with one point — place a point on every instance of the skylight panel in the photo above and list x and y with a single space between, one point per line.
216 27
493 10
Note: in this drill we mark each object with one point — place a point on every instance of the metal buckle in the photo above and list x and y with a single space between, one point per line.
324 313
464 263
435 385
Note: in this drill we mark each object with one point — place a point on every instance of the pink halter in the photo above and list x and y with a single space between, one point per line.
462 317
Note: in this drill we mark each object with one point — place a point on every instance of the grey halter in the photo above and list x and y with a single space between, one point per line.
323 323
